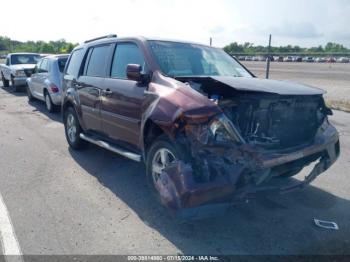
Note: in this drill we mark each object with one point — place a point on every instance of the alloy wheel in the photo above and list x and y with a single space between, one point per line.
161 159
71 128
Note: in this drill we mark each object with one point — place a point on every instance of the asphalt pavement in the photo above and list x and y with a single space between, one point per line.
61 201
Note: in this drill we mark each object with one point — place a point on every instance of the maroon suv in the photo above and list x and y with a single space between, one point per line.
210 132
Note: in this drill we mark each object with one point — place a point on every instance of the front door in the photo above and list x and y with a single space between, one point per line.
122 99
41 76
34 79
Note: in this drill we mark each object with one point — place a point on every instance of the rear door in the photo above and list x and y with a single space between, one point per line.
41 76
122 99
90 84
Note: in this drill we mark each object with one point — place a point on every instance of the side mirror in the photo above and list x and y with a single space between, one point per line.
133 72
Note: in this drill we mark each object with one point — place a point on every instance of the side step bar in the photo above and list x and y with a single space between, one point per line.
112 148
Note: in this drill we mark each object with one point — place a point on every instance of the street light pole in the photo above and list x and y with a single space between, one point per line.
268 59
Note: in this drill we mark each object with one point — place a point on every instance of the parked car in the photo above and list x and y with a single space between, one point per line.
288 59
248 58
343 60
261 58
279 59
2 56
45 83
241 58
297 59
309 59
331 60
320 60
18 67
272 58
208 131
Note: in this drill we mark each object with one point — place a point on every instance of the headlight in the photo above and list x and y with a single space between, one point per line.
20 73
222 130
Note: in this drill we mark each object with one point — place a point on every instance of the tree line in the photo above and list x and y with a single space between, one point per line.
61 46
250 48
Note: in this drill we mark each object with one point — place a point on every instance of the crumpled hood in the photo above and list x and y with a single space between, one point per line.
268 86
22 66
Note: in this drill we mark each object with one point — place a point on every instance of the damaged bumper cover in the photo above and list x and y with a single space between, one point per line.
251 171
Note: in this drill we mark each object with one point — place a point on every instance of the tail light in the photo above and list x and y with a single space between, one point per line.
54 88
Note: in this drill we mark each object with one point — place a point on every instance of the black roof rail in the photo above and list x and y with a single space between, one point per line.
101 37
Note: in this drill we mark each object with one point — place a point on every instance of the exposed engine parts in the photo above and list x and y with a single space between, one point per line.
258 136
268 120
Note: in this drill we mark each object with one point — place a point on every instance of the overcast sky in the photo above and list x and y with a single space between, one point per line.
296 22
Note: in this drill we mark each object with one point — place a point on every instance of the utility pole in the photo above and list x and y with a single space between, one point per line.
268 59
211 41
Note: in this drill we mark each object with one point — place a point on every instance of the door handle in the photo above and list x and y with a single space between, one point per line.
107 92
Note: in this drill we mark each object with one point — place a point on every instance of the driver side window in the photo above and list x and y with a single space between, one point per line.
124 54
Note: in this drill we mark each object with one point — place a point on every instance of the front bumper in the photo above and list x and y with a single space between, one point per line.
20 81
185 197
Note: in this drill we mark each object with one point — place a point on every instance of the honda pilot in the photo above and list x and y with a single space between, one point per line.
209 132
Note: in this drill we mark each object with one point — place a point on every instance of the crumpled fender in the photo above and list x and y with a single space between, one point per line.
170 100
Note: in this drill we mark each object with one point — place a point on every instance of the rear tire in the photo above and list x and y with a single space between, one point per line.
48 102
73 130
6 83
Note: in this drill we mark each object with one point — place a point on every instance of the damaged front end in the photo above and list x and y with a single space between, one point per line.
251 147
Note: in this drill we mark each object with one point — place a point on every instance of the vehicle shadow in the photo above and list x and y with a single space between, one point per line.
11 90
281 224
41 107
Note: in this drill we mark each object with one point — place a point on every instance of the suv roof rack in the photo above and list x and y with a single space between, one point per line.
101 37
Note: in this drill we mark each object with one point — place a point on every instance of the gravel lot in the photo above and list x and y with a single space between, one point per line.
95 202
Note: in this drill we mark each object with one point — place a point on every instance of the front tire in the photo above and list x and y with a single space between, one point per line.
29 93
73 129
161 154
15 88
5 82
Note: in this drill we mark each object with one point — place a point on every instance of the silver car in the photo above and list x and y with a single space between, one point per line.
45 83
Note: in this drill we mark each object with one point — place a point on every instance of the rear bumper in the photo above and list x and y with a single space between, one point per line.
259 174
56 98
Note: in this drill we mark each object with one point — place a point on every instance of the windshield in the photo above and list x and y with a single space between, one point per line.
185 59
24 59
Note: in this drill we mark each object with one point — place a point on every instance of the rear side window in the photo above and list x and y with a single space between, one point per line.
74 62
98 61
124 54
62 63
37 67
44 66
